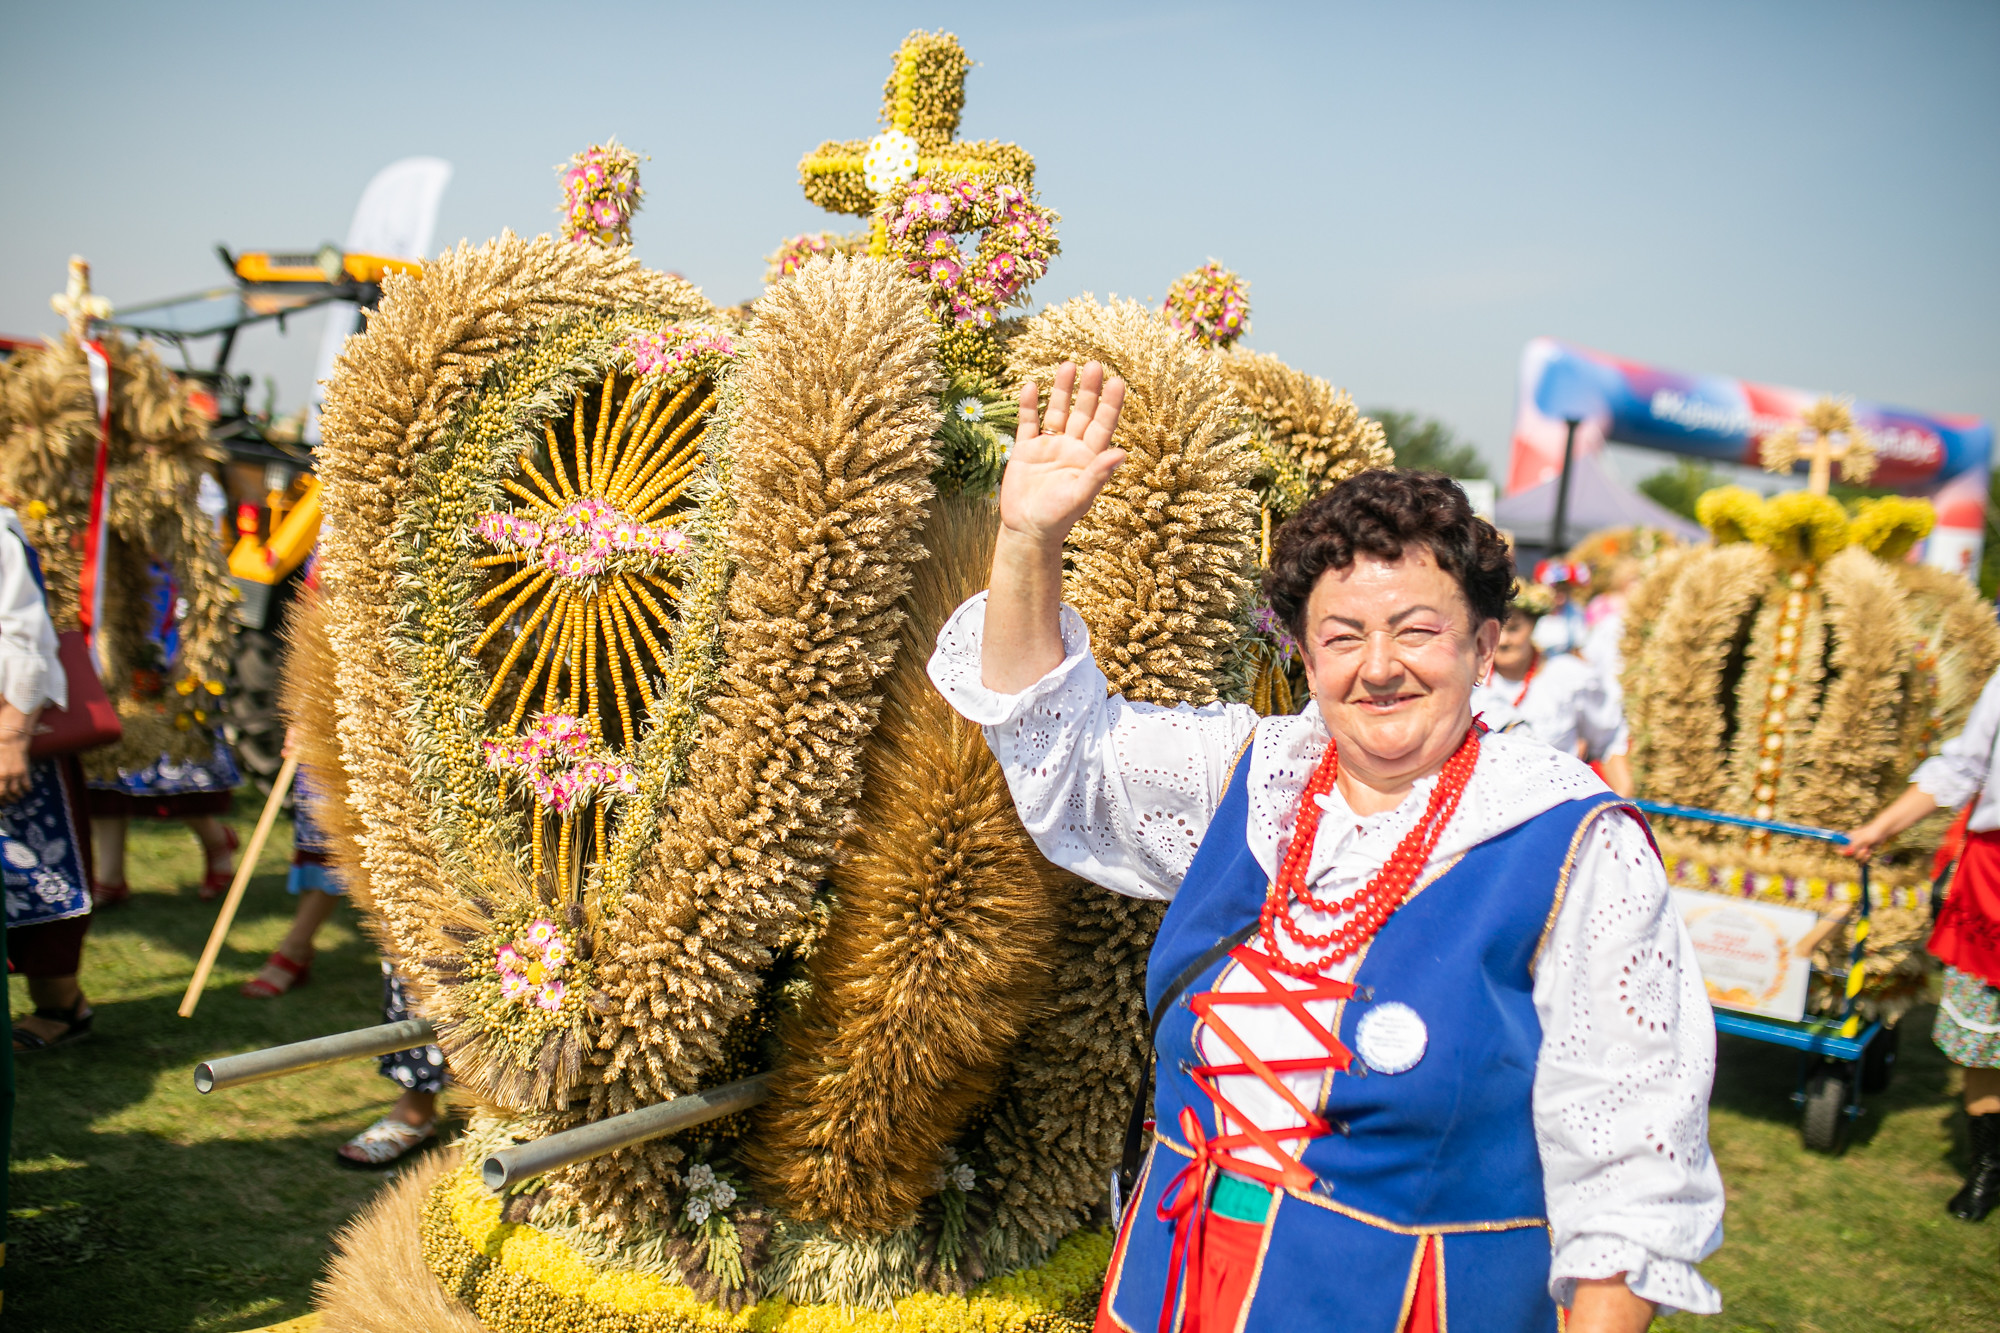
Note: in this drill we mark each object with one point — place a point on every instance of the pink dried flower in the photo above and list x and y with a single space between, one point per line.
1016 239
600 194
1211 305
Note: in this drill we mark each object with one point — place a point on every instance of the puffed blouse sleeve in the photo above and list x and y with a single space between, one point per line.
1622 1085
1955 774
1118 792
30 669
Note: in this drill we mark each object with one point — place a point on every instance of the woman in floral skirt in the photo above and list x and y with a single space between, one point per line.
1967 938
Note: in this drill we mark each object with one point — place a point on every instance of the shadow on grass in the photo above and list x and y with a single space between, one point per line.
1757 1080
139 1204
220 1235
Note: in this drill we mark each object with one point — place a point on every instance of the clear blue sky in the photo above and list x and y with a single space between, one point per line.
1803 193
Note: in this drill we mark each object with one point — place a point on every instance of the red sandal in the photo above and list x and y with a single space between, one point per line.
109 895
215 883
296 975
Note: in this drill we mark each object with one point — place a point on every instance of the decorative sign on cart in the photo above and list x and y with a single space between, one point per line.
1750 952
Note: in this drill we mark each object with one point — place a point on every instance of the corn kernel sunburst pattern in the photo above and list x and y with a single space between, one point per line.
584 579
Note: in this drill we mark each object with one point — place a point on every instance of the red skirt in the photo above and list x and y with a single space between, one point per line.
1229 1260
1968 928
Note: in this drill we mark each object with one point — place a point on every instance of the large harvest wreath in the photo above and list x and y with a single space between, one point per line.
156 527
1798 670
629 603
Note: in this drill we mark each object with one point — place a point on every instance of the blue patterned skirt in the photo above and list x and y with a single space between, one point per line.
41 855
168 777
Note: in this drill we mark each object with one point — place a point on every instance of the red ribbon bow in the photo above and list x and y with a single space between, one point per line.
1184 1203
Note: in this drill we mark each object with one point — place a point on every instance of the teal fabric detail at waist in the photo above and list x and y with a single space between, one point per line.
1240 1200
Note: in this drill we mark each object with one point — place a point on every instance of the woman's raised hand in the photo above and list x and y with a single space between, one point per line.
1057 468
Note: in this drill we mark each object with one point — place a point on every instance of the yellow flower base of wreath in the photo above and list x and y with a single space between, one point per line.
517 1278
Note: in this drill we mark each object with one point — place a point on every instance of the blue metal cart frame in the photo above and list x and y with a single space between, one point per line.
1837 1065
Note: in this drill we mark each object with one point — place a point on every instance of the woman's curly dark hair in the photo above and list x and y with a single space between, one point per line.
1379 513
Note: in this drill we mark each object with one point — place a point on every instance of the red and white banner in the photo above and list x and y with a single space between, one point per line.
90 590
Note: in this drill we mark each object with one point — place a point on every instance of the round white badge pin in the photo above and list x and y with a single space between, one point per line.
1391 1038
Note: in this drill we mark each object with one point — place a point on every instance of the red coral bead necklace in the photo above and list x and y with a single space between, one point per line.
1534 665
1383 894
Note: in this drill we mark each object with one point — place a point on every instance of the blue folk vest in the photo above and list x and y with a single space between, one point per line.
1445 1149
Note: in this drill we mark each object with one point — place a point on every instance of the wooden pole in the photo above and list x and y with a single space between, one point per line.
244 868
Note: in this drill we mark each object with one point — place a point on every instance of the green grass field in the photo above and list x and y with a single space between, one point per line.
140 1206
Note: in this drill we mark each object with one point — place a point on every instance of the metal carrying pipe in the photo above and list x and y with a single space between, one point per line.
229 1071
528 1160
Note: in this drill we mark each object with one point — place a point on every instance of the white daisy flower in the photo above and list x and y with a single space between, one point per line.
891 159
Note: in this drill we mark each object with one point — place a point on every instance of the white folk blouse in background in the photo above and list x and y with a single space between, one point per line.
1122 793
1567 701
31 672
1965 766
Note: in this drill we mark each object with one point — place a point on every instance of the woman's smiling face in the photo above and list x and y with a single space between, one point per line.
1392 654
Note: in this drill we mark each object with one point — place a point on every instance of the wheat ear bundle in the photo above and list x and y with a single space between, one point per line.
1160 571
1958 626
1848 761
936 955
829 458
1675 684
48 453
397 389
1642 618
308 699
1315 430
378 1280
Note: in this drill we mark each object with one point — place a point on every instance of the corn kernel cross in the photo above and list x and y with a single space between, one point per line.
920 106
77 303
1834 438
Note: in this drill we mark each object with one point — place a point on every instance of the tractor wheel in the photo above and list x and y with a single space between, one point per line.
255 730
1824 1126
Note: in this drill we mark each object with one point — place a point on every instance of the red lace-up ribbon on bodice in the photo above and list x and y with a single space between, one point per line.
1185 1200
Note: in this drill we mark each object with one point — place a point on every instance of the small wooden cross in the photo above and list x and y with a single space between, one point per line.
922 99
1833 438
76 303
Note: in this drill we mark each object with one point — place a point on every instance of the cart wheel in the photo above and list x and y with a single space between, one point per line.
1825 1123
1878 1062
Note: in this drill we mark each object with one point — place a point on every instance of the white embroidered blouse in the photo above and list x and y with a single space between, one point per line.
1121 793
1967 765
1566 700
31 671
